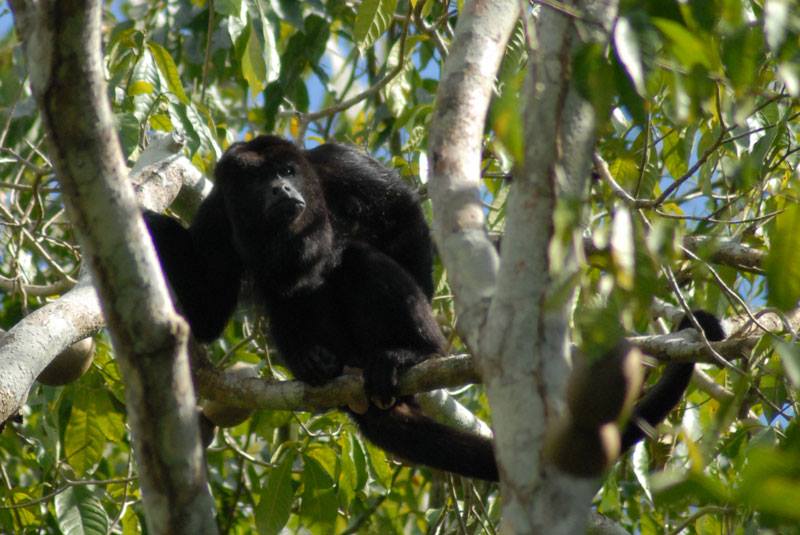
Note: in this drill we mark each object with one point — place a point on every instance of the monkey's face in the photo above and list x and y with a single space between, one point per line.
283 200
269 190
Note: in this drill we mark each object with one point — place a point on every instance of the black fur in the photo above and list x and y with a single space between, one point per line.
340 258
367 202
665 395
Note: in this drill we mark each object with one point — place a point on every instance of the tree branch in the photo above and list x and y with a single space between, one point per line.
454 153
62 43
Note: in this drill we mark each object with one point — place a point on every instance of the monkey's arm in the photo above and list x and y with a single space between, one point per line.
205 282
389 318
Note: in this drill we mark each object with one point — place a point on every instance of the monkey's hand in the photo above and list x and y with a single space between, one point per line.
380 383
317 367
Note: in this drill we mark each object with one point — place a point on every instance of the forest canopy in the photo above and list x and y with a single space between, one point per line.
682 196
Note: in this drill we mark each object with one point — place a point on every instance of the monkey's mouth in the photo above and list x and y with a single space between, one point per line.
288 208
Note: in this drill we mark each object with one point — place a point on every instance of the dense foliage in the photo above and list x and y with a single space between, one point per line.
698 103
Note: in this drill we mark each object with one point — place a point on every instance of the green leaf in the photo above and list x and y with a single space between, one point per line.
742 55
228 7
790 356
254 70
506 120
272 59
130 523
622 248
356 452
397 90
319 494
84 439
129 130
380 465
372 19
771 482
145 73
593 72
140 87
168 70
625 170
675 154
685 44
783 260
672 487
79 512
641 468
275 503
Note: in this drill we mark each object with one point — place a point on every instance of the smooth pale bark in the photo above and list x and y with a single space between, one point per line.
508 316
454 153
62 43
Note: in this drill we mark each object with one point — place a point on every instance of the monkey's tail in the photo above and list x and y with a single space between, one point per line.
406 432
665 395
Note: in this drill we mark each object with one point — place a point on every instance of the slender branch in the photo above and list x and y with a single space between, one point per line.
352 101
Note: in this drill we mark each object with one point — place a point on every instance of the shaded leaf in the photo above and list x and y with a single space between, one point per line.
275 502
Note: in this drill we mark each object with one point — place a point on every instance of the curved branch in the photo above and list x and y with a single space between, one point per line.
454 153
256 393
35 340
62 42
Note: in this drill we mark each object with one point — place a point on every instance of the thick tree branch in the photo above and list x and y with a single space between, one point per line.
525 348
36 339
255 393
727 252
454 152
62 44
455 371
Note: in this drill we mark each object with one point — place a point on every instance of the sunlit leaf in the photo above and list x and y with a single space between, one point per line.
372 19
506 119
626 45
641 468
79 512
622 247
84 439
272 59
783 260
776 19
168 69
140 87
253 68
319 495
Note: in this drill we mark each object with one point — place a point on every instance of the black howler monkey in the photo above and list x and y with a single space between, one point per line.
340 259
366 202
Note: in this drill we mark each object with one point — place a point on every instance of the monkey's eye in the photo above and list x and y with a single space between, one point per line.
286 170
